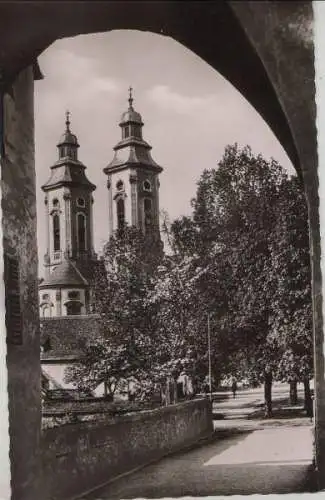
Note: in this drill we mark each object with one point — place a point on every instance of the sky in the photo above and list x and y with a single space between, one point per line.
190 114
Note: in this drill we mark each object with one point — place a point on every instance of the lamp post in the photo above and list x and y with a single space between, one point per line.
209 357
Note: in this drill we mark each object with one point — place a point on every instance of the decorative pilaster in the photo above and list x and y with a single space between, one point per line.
58 303
91 227
47 259
134 199
67 212
156 205
110 207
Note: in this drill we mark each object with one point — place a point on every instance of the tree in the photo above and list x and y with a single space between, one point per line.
102 362
234 218
249 234
172 299
242 257
124 349
199 289
292 315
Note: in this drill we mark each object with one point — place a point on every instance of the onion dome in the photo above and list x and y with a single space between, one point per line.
68 138
131 116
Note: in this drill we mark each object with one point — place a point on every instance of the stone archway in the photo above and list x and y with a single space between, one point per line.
257 46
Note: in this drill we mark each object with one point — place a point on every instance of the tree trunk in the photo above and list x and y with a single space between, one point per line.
293 392
268 394
308 399
163 394
167 399
195 386
171 386
175 395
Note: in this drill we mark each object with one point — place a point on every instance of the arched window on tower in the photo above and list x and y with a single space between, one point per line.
73 153
81 225
120 210
147 209
56 233
126 132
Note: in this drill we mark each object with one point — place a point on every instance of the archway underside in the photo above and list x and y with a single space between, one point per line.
219 32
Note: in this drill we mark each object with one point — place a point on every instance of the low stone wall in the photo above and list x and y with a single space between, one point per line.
59 407
79 457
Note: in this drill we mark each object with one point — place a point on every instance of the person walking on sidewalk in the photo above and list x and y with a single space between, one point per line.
234 387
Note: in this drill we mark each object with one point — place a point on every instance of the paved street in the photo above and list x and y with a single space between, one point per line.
238 413
276 459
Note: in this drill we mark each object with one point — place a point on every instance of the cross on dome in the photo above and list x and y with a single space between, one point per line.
67 121
131 116
68 141
130 96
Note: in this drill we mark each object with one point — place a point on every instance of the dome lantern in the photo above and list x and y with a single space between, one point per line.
131 121
68 144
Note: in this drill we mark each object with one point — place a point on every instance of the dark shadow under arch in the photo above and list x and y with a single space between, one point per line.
212 30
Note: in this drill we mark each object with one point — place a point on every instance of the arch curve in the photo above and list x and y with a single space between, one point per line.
241 30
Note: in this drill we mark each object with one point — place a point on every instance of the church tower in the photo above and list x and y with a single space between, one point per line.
133 179
69 233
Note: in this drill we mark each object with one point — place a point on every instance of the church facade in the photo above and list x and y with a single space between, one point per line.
65 294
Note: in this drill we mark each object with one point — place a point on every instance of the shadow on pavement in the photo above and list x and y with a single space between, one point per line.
213 481
200 472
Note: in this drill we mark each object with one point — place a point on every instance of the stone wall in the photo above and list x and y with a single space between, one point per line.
79 457
20 246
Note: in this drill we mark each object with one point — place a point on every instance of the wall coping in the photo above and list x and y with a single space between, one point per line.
131 417
73 317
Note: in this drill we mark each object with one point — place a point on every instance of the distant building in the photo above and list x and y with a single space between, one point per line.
66 299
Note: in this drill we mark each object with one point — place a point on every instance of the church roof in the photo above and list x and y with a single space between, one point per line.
87 267
66 336
132 152
68 138
131 116
68 172
65 274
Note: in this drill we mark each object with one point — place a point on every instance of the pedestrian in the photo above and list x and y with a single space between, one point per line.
234 388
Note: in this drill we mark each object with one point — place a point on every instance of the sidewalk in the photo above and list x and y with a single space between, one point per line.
275 460
245 412
247 455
